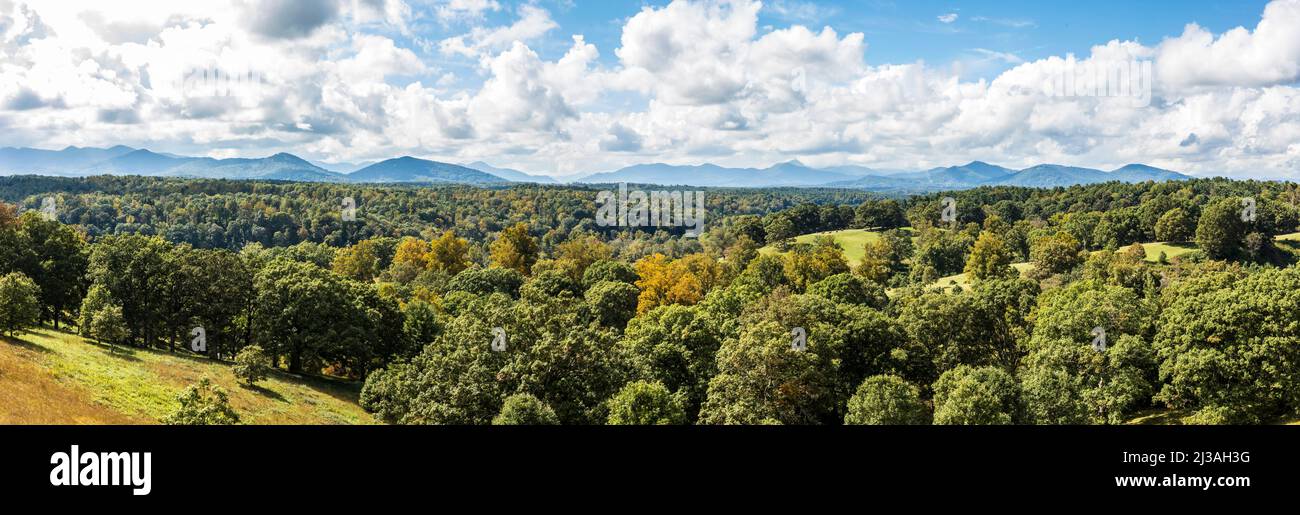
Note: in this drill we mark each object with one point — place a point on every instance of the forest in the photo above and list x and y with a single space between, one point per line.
511 305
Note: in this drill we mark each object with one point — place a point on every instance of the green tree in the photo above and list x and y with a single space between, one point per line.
107 325
134 269
615 302
889 401
448 254
515 249
203 404
675 346
1055 254
525 410
96 299
20 307
882 214
488 281
58 263
982 326
1220 231
976 396
1074 311
1177 225
252 364
762 379
806 265
389 393
360 262
420 323
1065 382
942 251
851 289
642 403
292 299
607 270
989 259
1227 346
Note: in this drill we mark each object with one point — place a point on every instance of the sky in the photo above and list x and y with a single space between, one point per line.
563 87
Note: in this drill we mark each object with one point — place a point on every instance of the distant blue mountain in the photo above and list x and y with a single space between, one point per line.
282 166
1050 176
1143 173
792 173
963 176
139 162
123 160
410 169
1042 176
59 162
510 174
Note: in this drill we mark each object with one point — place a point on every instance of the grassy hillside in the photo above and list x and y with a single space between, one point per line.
1153 251
851 240
51 377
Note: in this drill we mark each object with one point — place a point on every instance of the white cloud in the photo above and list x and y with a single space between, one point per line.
690 81
533 22
460 9
948 18
1267 56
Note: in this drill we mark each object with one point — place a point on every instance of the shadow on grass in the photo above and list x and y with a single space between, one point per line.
24 344
263 391
338 388
121 352
1159 417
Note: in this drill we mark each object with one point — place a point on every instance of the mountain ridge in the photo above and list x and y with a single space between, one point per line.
124 160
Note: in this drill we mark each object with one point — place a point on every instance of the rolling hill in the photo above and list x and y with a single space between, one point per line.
792 173
122 160
410 169
510 174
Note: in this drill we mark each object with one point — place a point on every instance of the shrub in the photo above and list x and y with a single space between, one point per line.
252 364
643 403
525 410
887 400
20 308
203 404
976 396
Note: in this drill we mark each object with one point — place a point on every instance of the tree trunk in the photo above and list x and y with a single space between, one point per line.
295 361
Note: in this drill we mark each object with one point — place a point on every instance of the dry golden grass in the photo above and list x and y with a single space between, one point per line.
32 394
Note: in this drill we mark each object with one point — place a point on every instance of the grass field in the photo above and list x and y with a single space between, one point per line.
1153 251
851 240
52 377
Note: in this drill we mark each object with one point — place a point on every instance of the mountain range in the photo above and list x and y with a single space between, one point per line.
122 160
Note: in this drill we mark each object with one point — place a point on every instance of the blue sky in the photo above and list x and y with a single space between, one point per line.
566 87
905 31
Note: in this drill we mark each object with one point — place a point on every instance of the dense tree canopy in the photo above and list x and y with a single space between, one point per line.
510 305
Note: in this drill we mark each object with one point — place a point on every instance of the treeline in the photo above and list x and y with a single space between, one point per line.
232 214
146 292
1210 213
